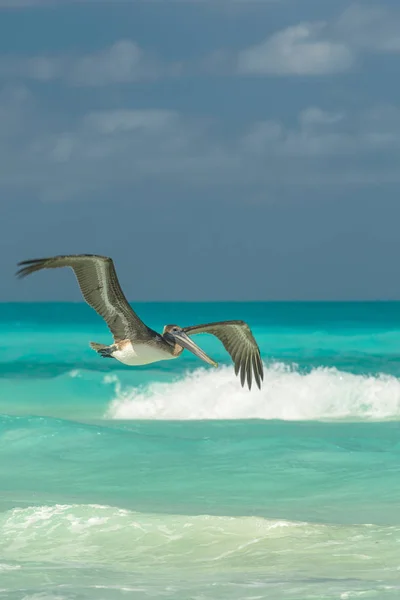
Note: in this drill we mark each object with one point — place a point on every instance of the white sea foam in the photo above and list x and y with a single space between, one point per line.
287 394
75 373
99 534
91 551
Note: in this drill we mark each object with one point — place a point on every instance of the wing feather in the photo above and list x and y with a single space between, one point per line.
100 288
243 370
255 371
239 342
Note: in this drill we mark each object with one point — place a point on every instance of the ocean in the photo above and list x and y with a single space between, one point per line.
171 481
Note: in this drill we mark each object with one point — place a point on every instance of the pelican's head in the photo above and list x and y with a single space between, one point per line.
174 335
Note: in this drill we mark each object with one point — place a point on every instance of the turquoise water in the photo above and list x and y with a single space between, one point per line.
171 481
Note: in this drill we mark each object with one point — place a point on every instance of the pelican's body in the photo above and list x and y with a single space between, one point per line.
136 344
140 354
134 355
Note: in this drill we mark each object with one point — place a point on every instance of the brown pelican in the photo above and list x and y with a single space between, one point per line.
134 342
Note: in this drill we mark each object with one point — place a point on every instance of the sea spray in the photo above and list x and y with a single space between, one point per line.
287 393
131 540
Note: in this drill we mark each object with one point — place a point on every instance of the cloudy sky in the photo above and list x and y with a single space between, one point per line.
237 149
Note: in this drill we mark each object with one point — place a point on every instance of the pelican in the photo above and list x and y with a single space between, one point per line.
135 343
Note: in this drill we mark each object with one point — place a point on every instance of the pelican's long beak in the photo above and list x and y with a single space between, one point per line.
184 340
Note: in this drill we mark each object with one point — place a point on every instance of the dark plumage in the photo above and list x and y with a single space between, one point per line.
100 288
239 342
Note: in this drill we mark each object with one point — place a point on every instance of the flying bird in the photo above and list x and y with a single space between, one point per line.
135 343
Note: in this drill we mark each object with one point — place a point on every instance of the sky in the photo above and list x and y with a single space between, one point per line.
222 150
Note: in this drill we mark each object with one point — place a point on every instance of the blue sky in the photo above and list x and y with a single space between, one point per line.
244 150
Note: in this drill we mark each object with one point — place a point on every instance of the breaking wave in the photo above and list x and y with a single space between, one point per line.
287 394
94 533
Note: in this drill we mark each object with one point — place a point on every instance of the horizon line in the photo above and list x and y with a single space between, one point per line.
292 301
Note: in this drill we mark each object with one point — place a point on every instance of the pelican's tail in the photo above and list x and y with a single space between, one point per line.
102 349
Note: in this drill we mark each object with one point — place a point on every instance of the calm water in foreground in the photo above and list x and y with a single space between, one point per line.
170 481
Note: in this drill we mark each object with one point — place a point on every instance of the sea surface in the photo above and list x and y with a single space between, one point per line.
171 481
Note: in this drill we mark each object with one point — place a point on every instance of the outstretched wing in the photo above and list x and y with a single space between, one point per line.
100 287
239 341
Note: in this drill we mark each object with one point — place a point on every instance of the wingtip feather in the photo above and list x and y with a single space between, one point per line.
29 266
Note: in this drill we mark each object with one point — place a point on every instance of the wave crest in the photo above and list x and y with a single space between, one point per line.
94 533
287 394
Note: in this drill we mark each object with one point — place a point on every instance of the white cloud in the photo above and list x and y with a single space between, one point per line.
328 136
370 28
303 49
104 153
324 48
99 151
298 50
122 62
315 117
117 121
